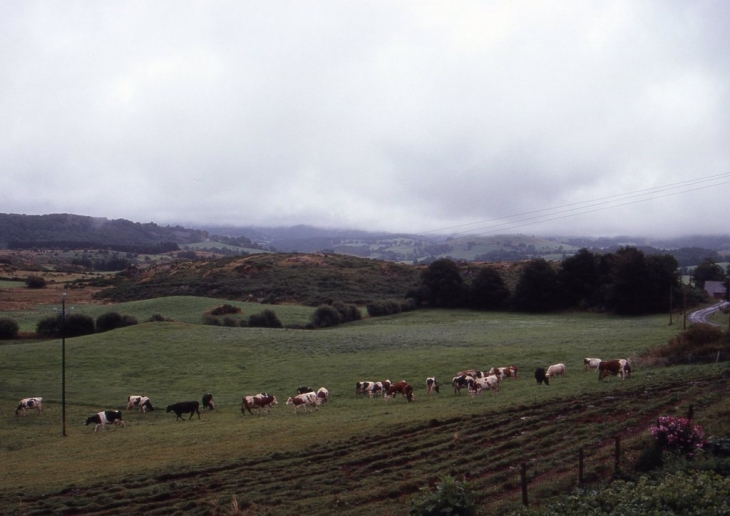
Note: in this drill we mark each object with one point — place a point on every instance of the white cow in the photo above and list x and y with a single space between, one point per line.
556 370
29 403
591 363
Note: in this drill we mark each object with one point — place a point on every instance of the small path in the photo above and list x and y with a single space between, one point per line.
700 316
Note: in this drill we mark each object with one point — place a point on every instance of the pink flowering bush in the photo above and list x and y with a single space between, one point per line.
677 434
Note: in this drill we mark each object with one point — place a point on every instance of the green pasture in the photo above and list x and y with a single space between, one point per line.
185 309
177 361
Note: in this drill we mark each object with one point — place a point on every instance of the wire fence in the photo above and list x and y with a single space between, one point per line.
539 480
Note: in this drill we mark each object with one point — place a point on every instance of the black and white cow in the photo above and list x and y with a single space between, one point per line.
139 401
29 403
208 401
101 419
184 407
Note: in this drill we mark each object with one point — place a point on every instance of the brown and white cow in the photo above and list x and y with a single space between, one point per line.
431 385
29 404
485 383
591 363
323 395
504 372
402 387
105 417
555 370
308 399
140 402
618 367
262 400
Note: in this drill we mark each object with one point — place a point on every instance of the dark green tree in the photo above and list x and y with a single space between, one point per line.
442 284
580 279
537 288
708 270
487 291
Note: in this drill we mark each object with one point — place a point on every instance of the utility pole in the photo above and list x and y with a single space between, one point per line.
671 305
63 363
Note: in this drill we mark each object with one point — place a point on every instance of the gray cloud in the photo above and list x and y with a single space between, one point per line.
403 116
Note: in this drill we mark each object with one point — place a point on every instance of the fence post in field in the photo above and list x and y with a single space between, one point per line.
617 455
523 478
580 467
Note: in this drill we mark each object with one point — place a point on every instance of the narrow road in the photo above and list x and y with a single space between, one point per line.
700 316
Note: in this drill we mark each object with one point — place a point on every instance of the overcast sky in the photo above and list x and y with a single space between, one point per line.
596 118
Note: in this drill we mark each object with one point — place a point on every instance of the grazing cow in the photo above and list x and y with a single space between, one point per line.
362 387
375 388
386 385
591 363
556 370
323 395
461 381
614 368
503 372
431 385
304 390
140 402
625 367
29 403
184 407
402 387
469 372
208 402
308 399
259 401
541 376
101 419
488 382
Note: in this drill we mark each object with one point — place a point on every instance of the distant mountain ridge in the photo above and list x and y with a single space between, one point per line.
79 231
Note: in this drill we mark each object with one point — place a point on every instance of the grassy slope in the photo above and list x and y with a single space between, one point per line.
175 361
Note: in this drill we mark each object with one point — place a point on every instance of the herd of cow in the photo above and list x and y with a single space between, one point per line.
472 380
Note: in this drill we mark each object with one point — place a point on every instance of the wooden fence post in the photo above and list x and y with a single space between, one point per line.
523 477
580 467
617 456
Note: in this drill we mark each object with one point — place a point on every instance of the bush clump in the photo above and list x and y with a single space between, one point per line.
113 320
347 313
35 282
390 307
697 341
75 325
158 318
325 316
8 328
265 319
225 310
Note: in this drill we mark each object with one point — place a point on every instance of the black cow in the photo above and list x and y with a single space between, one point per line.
541 376
208 401
184 407
100 419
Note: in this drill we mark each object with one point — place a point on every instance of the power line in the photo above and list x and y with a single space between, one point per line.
583 207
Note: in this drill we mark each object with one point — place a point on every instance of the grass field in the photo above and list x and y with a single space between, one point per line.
224 453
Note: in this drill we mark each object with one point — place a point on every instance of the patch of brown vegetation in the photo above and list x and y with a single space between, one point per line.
23 298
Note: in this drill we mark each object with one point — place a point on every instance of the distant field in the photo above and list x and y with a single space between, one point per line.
178 361
185 309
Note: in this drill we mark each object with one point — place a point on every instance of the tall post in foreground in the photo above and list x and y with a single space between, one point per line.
63 363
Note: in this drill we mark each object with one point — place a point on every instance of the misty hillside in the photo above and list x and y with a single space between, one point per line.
65 230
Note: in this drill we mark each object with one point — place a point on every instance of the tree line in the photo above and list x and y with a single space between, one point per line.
626 282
